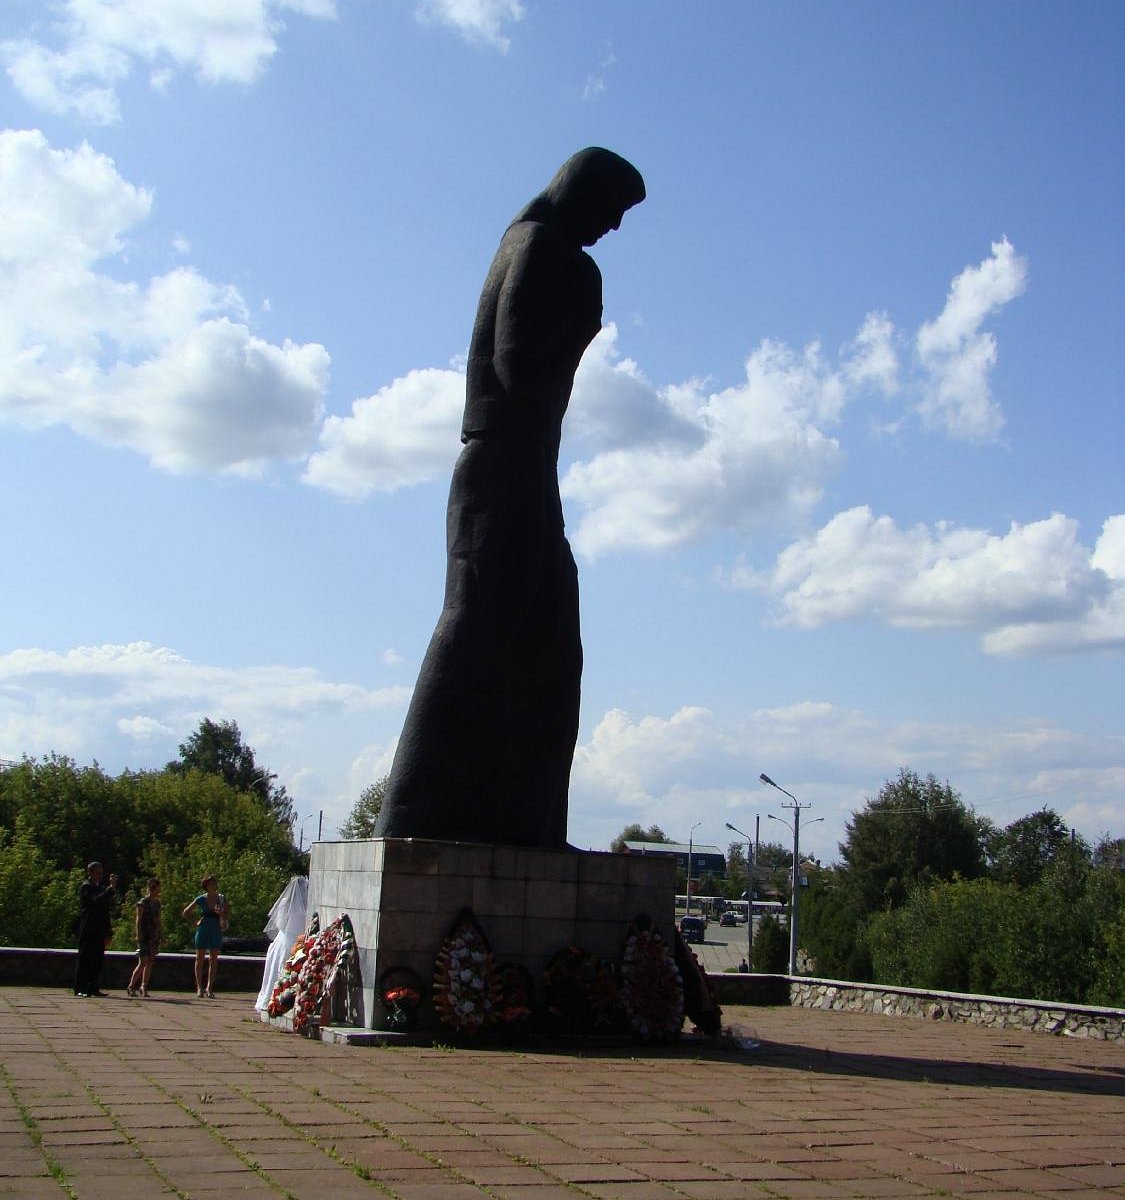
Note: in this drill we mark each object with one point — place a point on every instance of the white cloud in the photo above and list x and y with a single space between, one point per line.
100 42
115 702
682 463
660 769
407 433
480 22
1100 626
958 357
167 368
143 729
1034 588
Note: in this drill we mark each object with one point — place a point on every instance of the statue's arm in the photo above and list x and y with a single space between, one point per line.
548 308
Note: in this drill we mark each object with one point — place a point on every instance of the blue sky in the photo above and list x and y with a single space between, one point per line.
843 471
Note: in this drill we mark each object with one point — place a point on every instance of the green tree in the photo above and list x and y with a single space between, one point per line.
38 901
914 833
1023 850
68 814
945 937
248 879
635 833
365 812
771 947
831 928
218 749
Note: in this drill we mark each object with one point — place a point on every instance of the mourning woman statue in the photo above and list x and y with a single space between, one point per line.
486 750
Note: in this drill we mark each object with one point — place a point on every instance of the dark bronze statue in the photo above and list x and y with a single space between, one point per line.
486 750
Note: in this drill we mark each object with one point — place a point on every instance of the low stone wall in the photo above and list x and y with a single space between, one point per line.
23 966
997 1012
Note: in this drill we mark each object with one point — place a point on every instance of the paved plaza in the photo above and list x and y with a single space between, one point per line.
117 1099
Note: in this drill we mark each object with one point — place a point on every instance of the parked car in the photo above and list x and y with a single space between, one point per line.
728 918
693 929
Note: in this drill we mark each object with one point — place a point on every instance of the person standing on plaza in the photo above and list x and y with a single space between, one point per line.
94 922
149 930
212 913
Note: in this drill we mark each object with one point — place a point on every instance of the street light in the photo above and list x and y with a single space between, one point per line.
751 864
687 906
304 822
795 883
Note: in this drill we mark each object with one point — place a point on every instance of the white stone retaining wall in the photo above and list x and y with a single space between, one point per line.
998 1012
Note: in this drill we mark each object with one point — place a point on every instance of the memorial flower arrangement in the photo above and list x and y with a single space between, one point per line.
332 949
580 992
701 1004
401 994
652 991
284 993
516 998
466 986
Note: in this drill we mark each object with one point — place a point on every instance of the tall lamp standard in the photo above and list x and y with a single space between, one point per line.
304 822
795 884
689 849
750 865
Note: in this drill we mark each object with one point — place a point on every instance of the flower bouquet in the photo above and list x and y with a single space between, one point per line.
652 992
401 994
467 995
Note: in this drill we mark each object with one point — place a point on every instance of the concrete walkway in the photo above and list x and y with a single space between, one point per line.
122 1099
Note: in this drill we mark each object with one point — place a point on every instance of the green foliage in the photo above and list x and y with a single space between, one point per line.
944 937
1061 939
831 929
914 833
771 947
365 812
248 879
38 901
1026 848
634 833
218 749
55 816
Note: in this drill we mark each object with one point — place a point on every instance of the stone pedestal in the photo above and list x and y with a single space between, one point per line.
403 896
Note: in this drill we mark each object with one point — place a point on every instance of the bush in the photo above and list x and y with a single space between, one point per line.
771 947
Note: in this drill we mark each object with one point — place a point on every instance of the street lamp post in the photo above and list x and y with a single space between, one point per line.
687 905
795 883
750 865
304 822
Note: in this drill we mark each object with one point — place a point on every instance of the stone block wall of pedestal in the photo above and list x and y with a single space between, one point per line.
404 895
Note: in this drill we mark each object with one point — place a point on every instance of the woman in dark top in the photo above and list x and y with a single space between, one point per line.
486 750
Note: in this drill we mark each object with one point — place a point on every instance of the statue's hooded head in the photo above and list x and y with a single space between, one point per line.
589 194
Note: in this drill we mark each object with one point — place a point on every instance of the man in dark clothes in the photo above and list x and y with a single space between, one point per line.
95 906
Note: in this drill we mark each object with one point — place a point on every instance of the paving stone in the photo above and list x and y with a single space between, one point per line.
837 1104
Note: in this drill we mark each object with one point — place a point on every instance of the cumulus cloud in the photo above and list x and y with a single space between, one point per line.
1034 588
659 768
683 462
479 22
97 44
94 701
406 433
166 367
957 356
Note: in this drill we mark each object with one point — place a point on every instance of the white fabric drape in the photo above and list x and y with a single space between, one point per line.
284 925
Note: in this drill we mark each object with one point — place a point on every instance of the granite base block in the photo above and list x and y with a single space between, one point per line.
403 896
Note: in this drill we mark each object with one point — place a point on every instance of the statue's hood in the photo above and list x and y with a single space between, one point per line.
591 186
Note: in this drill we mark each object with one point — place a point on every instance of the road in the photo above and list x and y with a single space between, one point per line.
724 948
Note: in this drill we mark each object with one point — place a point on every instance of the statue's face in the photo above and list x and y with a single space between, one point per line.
601 223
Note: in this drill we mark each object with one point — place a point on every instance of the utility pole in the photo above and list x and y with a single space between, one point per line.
794 896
